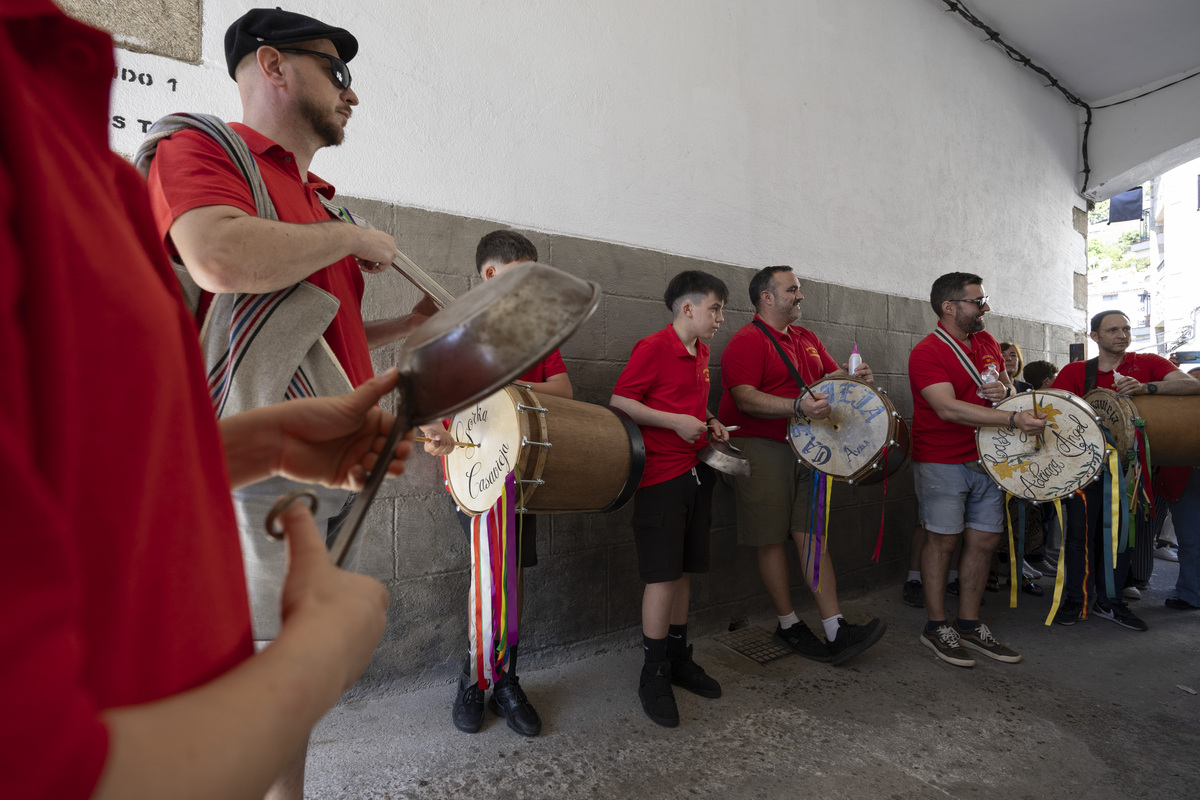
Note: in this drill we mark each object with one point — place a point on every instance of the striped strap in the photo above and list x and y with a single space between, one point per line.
961 355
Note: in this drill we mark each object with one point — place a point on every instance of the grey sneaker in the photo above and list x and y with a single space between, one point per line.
945 642
981 639
1120 614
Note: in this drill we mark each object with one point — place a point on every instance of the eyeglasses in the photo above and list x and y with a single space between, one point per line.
978 301
339 72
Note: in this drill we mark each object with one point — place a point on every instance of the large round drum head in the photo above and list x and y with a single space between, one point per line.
1068 456
497 428
848 444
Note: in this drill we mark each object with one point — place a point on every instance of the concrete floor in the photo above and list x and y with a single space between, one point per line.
1094 711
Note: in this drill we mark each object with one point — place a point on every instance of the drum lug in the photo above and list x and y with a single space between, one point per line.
536 481
523 407
525 442
850 481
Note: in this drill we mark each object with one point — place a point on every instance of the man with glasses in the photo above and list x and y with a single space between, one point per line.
303 270
957 499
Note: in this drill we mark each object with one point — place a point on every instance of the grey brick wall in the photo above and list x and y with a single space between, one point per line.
585 593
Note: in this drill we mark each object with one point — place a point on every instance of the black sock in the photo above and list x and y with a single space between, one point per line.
966 624
933 625
656 649
676 641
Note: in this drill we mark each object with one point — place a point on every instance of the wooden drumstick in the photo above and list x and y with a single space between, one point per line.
456 444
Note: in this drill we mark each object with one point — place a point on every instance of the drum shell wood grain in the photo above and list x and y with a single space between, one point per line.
1172 424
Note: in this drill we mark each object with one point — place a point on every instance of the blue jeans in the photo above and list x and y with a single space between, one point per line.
1186 514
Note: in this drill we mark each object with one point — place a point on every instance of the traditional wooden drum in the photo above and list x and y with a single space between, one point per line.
569 456
849 444
1066 457
1172 424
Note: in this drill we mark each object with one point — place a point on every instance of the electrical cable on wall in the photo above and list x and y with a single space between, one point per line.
959 8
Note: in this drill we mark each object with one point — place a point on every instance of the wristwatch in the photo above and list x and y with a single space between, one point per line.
1151 388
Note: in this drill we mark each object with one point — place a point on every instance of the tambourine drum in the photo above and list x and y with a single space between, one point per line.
568 456
849 444
1172 424
1066 457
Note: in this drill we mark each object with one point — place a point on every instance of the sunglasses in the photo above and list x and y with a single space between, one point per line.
980 302
339 72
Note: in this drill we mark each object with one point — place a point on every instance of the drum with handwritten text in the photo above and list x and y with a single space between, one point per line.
863 440
1067 456
568 456
1171 424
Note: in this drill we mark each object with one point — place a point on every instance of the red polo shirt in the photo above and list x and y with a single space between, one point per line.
933 361
548 367
751 360
121 581
663 375
191 170
1145 367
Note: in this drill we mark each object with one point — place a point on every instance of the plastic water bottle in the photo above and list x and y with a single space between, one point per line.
990 375
855 360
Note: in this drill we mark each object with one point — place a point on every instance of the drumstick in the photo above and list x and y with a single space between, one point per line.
456 444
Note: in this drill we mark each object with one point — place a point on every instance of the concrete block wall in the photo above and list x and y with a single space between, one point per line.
585 594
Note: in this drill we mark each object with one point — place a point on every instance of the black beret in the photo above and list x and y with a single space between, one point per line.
274 26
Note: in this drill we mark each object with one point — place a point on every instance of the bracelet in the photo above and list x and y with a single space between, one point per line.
710 419
1011 416
797 411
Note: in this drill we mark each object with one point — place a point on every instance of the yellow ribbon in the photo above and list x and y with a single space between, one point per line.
1012 561
1115 477
1061 575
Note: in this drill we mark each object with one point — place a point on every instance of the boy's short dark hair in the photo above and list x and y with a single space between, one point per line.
504 247
1036 372
950 287
762 281
1098 320
694 282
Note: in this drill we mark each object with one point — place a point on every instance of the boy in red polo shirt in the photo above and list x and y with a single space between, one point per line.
664 389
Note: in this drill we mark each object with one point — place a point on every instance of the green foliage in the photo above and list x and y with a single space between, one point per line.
1099 213
1105 257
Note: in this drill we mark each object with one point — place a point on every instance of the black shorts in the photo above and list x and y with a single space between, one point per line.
526 534
671 522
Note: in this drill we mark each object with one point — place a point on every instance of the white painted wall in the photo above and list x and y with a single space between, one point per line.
871 143
1181 251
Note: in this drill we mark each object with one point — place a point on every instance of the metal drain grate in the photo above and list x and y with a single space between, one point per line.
755 644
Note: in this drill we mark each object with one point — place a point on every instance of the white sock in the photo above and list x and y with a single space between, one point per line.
914 574
831 627
952 576
788 621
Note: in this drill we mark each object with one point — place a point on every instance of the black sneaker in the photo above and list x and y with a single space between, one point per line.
913 594
980 638
1120 614
509 701
853 639
654 690
946 643
467 713
1068 612
691 676
800 640
952 587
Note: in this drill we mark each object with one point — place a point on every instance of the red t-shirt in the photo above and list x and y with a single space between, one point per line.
191 170
751 360
663 375
932 361
1145 367
121 580
548 367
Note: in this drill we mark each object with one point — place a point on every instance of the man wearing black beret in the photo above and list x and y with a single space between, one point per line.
275 283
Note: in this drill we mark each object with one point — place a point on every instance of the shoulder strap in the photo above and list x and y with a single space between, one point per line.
960 354
1090 369
782 355
235 147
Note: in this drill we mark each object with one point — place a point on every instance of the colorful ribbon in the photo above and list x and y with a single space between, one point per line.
1061 573
818 524
495 542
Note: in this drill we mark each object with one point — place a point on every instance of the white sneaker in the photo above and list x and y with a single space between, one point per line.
1029 572
1166 552
1132 593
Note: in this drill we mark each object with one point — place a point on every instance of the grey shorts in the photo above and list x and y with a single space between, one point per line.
954 497
774 500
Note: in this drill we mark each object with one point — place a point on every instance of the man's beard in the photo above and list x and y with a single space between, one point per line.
323 123
967 324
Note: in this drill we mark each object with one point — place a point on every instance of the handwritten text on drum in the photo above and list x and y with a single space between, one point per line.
853 408
1028 472
481 475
